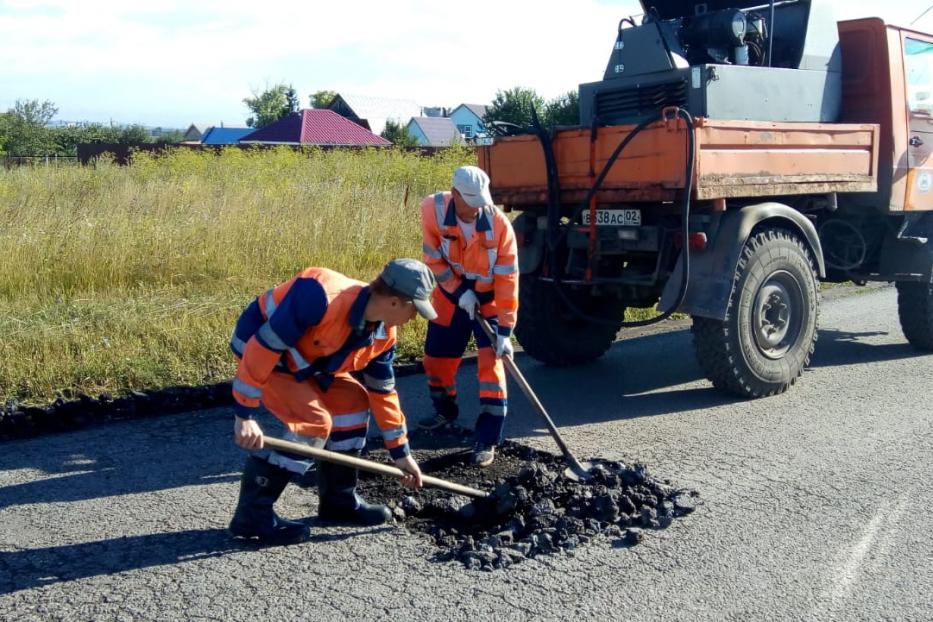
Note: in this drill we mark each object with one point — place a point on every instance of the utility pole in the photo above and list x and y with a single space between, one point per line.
921 15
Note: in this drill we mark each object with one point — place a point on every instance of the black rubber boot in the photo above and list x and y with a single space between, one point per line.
339 501
445 405
260 487
445 411
308 480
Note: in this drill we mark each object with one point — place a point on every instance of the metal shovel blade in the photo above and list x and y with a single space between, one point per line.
580 471
577 471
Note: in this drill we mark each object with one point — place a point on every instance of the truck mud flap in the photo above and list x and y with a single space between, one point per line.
712 270
908 254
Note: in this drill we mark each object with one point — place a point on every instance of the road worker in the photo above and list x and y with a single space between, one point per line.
470 246
296 346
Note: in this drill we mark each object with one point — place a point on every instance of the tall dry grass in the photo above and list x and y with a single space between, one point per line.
117 278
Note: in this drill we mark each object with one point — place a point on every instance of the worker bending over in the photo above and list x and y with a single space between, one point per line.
297 345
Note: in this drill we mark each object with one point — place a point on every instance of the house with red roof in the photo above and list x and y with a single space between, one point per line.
315 127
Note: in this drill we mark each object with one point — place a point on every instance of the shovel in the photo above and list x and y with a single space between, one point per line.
577 471
367 465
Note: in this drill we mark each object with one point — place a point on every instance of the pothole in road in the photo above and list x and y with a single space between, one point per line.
534 509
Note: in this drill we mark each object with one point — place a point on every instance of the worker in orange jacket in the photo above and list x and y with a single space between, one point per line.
469 244
297 345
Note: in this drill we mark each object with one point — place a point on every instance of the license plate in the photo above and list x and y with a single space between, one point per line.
614 217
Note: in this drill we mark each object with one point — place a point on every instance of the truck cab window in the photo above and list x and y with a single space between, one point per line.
918 65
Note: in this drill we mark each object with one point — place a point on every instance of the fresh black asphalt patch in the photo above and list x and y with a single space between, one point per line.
534 509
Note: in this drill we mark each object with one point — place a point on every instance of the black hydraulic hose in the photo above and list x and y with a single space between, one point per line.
685 226
771 34
610 162
553 191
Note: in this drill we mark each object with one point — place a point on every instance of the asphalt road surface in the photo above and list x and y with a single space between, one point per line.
815 504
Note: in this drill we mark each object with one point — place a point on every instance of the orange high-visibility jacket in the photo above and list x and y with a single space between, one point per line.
487 263
313 327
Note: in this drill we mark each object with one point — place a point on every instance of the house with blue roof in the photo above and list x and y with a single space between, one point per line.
225 135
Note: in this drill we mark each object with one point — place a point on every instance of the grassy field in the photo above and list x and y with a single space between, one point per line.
118 278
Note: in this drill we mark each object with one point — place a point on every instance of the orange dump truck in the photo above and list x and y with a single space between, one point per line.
733 156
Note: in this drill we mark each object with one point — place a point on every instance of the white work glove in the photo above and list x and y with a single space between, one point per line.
468 302
504 346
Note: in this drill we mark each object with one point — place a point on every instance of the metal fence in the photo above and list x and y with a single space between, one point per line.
122 154
9 162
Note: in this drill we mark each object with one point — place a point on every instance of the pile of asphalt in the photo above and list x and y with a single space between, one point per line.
533 508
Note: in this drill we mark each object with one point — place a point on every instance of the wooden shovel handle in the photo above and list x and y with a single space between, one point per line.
367 465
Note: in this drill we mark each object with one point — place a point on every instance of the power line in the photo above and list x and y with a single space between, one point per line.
921 15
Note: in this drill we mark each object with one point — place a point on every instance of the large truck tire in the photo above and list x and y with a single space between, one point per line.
551 332
915 309
770 328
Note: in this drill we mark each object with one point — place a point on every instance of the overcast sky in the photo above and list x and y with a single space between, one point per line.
171 63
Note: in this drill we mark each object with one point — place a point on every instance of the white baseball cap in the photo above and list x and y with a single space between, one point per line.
473 184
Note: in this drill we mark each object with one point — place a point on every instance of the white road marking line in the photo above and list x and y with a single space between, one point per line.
846 575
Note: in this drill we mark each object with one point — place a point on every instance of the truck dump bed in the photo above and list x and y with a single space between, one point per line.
733 159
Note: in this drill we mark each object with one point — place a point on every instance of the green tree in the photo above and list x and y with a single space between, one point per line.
67 139
271 105
27 133
563 110
133 135
514 106
322 99
398 134
291 100
4 131
172 136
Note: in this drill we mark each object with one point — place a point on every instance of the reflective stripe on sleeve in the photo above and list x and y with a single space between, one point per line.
394 433
431 252
237 345
247 389
271 339
505 269
300 361
350 420
270 305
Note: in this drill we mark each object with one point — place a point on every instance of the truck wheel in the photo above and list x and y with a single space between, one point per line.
769 332
552 333
915 309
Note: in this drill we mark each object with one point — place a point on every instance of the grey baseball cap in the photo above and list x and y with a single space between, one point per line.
412 279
